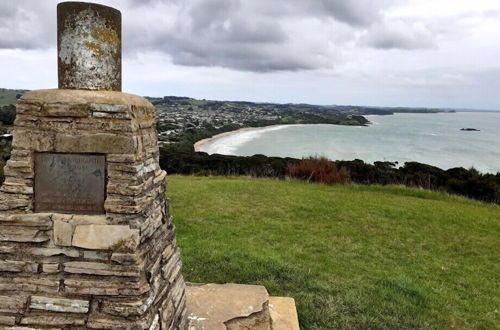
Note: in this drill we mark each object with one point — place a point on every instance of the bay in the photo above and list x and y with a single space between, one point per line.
434 139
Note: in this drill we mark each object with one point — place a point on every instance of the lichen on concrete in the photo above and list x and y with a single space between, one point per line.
89 52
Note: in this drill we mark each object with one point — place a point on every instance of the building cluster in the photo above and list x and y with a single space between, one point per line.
174 118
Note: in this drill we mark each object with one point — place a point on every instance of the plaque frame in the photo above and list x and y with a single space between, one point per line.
96 205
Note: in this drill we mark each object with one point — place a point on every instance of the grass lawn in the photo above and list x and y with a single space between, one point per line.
353 257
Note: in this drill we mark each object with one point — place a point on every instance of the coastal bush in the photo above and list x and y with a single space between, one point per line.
473 184
8 114
200 163
318 169
460 181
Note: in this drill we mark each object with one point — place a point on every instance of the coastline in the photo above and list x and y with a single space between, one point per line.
199 144
388 138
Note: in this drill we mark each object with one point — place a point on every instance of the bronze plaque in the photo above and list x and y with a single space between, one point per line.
70 183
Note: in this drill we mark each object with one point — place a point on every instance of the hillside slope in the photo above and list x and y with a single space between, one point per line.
353 257
10 96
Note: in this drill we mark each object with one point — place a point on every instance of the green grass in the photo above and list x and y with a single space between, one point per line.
353 257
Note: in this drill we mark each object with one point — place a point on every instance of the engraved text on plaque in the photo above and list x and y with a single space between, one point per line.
72 183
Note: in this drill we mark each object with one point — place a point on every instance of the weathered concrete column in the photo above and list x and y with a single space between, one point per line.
89 46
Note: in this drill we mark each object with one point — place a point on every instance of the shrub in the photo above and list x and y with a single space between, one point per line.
318 169
8 114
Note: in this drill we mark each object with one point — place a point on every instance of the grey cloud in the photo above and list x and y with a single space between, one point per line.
7 10
243 59
228 21
239 31
256 35
357 13
400 35
141 3
239 45
205 14
25 24
236 34
223 33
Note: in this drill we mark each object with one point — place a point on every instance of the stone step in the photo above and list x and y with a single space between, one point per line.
283 313
237 307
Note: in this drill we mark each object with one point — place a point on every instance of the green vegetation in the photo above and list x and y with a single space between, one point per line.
353 257
10 96
7 116
5 146
460 181
8 99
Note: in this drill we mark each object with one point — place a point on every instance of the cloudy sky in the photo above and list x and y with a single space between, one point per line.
431 53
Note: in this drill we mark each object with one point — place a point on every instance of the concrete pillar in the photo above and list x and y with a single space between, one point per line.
89 46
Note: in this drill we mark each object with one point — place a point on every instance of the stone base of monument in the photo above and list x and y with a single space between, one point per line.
86 237
238 307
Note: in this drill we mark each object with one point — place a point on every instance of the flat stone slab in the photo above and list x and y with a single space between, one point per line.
283 313
227 307
75 96
105 237
59 304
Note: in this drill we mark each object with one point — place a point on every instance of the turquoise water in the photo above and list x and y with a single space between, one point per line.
434 139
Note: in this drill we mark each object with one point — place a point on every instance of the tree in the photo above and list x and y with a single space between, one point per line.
8 114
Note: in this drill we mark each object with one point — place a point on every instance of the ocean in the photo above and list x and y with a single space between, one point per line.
434 139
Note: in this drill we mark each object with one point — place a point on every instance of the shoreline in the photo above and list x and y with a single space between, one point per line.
427 137
199 144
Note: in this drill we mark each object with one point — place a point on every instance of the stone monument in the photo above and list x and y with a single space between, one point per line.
86 239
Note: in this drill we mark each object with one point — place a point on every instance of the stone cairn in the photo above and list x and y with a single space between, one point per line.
86 239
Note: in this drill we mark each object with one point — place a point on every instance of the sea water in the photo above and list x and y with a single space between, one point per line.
435 139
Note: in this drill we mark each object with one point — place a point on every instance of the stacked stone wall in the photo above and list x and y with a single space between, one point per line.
116 270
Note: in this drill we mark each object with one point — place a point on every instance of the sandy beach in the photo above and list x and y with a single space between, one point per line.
198 146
